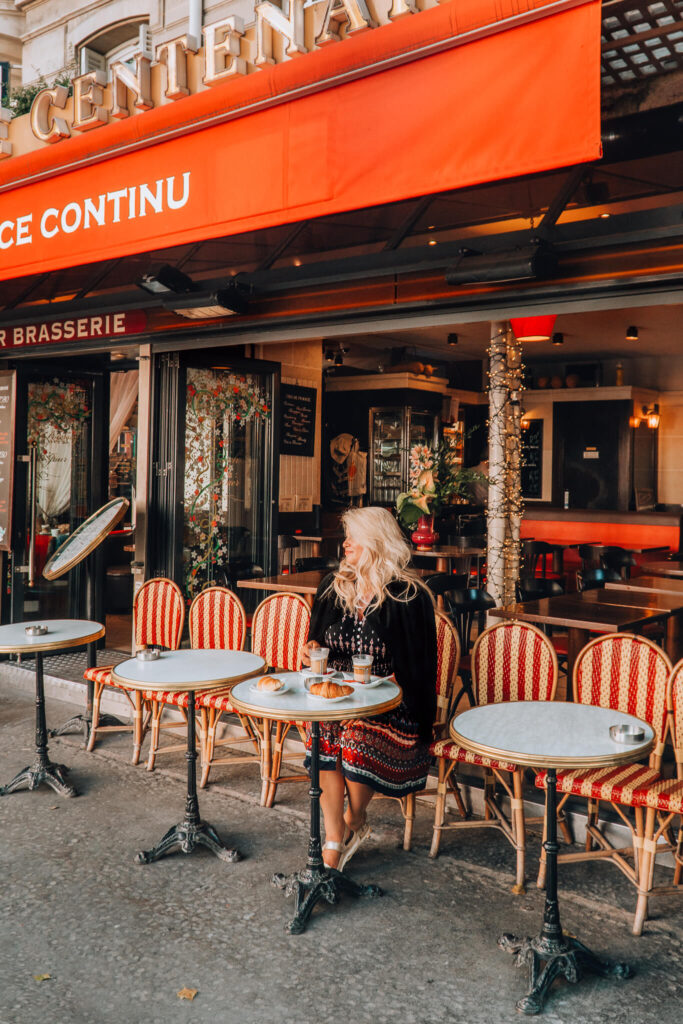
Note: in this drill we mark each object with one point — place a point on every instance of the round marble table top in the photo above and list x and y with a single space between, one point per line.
296 704
548 734
188 670
61 634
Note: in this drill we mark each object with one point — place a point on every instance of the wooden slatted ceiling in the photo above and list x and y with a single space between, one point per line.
641 40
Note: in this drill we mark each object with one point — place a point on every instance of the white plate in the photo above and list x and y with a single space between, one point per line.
253 688
328 700
374 681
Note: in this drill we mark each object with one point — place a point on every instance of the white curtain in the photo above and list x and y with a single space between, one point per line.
54 473
122 398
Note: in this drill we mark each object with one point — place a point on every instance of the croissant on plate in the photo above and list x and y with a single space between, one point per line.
329 689
269 683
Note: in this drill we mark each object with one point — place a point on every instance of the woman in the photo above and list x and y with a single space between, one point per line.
374 604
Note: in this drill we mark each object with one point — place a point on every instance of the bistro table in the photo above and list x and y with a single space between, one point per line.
579 617
59 635
671 603
443 553
315 881
190 670
545 734
673 569
304 583
648 585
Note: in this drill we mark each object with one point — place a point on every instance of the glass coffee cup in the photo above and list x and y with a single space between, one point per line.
362 664
319 656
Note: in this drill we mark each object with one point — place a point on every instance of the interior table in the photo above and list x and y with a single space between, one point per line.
649 585
443 553
673 569
670 603
316 881
61 635
580 617
191 670
545 734
304 583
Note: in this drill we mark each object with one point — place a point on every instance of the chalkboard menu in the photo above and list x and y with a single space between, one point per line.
8 380
85 538
532 460
297 425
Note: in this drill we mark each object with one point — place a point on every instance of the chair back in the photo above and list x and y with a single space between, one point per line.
447 664
513 661
279 628
217 619
441 582
594 579
464 606
315 563
591 556
626 673
676 707
535 554
618 558
158 614
532 588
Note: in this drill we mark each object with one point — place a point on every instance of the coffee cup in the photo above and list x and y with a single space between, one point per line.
319 656
362 664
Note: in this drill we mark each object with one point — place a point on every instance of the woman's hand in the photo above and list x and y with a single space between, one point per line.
305 654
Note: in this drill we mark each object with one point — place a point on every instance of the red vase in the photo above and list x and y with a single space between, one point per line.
424 537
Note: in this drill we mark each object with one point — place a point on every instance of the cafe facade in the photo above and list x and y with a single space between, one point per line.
191 239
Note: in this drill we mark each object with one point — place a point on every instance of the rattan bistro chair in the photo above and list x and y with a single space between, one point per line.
495 652
663 803
631 674
217 620
158 618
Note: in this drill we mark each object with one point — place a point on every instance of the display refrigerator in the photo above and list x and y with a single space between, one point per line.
393 432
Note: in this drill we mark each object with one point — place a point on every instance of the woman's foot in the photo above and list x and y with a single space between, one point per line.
332 851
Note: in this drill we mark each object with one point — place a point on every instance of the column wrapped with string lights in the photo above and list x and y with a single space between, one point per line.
505 488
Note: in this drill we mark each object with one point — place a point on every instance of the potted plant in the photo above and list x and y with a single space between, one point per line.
435 480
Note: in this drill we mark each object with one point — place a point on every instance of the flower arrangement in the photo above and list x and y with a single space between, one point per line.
435 480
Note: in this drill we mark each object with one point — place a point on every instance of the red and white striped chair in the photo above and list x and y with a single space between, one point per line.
158 619
216 619
447 664
510 661
626 673
663 803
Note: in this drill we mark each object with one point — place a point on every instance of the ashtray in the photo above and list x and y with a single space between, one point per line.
35 630
627 733
309 680
149 654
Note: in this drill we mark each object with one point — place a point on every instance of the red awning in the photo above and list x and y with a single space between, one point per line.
467 92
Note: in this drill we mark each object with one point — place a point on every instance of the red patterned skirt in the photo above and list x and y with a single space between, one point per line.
384 753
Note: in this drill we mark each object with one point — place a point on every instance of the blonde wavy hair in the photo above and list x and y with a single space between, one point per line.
385 559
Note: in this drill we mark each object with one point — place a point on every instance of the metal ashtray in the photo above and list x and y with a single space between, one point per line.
310 680
627 733
149 654
35 630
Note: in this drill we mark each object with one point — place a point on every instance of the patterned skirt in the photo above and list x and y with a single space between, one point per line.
384 753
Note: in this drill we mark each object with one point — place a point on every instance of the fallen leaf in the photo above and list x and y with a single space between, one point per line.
55 807
42 977
188 993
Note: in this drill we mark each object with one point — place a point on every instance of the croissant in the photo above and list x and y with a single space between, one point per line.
269 683
329 689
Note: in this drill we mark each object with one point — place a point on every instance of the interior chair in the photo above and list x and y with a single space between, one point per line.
216 620
533 588
472 525
315 563
591 556
464 563
441 583
495 652
663 803
626 673
286 546
447 664
537 555
158 619
618 559
279 629
463 607
595 579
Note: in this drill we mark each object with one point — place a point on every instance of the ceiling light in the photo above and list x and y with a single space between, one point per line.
329 355
632 333
533 261
452 339
166 280
558 338
533 328
605 215
339 359
432 241
430 227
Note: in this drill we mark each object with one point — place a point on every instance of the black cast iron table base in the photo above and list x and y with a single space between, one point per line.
82 723
42 769
553 953
317 882
191 832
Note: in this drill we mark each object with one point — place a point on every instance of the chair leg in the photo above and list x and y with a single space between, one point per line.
209 743
266 759
281 730
97 697
157 711
439 808
408 806
645 874
138 727
679 855
518 828
591 819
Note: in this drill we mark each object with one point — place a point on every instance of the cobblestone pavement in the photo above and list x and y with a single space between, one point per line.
119 940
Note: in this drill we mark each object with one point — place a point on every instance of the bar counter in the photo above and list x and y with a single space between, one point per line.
599 526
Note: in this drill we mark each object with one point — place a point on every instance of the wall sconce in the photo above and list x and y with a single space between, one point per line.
452 339
632 333
634 421
650 414
525 424
558 338
653 417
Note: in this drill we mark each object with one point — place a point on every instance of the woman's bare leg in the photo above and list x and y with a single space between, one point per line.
332 804
360 796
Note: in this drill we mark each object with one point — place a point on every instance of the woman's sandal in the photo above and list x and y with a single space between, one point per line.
331 844
352 843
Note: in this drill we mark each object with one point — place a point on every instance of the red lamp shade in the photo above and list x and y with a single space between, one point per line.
533 328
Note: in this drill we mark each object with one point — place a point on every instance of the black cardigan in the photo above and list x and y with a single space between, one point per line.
408 629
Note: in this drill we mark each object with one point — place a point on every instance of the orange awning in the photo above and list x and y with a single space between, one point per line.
507 88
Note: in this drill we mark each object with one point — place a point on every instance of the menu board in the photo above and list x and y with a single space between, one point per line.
8 386
85 538
532 460
297 424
